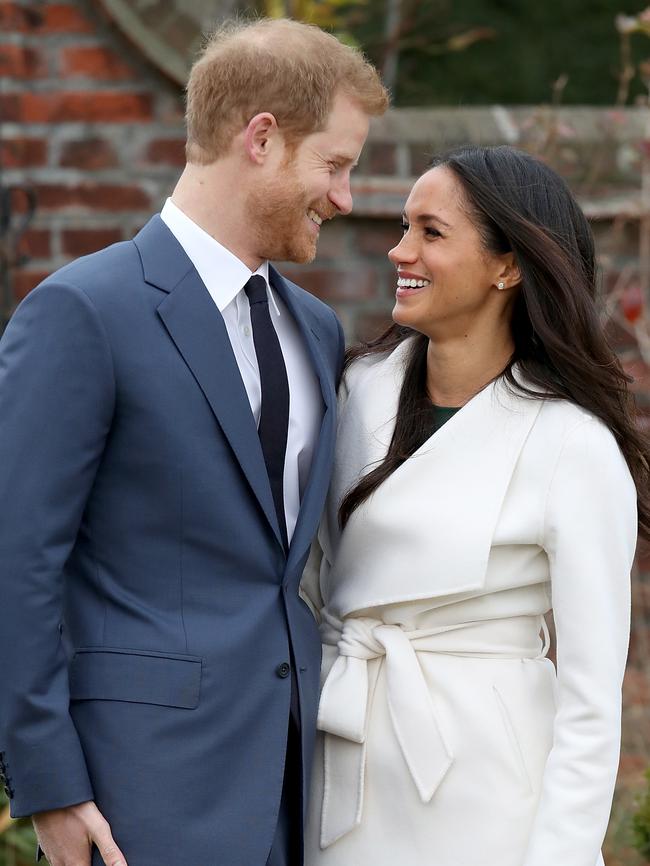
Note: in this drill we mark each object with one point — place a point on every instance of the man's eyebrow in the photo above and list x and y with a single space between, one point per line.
428 218
343 157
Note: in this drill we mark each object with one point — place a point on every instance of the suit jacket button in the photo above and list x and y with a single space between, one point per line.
283 670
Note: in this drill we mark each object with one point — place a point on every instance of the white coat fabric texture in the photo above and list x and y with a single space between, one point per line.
446 737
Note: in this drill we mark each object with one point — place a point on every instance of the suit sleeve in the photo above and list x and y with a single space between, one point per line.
340 351
56 405
590 538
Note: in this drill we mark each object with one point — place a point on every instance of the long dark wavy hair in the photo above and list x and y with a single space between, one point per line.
520 205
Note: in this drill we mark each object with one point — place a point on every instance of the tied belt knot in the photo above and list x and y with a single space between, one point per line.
343 715
343 709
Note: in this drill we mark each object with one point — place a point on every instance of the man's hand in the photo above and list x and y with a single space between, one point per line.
66 836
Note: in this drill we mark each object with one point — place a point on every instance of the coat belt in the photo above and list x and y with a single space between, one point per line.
343 709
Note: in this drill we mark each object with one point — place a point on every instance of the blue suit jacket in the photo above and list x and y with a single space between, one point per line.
148 607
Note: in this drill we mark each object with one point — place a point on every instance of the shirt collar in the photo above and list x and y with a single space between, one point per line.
222 272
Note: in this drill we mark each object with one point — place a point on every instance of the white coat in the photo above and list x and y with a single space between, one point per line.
446 737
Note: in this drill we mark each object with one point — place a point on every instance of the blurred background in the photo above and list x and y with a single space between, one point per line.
91 142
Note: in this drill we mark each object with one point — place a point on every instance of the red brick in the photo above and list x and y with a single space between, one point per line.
618 337
95 62
64 18
166 151
337 285
369 326
333 241
640 373
19 19
86 107
9 107
170 107
16 61
80 242
24 281
22 152
36 244
110 197
420 160
639 644
632 765
89 154
377 238
643 558
636 687
382 158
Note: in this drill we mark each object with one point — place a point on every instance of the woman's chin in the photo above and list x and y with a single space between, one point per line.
403 316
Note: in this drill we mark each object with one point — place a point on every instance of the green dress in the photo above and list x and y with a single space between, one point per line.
440 415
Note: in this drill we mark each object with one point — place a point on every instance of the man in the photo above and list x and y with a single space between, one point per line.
167 413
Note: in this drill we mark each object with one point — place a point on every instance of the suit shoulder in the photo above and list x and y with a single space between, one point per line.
105 272
317 308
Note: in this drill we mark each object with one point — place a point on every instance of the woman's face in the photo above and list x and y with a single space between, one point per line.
455 277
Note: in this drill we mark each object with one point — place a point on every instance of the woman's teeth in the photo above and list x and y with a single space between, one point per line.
403 283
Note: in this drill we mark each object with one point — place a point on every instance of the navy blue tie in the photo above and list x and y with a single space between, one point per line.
274 414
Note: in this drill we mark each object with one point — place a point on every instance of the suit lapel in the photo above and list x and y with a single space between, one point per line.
199 333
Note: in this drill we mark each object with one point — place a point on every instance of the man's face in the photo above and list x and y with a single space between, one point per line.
311 184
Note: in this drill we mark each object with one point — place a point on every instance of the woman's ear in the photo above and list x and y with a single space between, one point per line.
508 275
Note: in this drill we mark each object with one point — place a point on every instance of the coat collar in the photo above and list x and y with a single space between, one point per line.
427 530
199 333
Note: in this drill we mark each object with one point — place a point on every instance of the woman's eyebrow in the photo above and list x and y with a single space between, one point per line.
427 218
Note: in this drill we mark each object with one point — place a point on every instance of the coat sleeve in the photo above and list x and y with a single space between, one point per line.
590 538
56 405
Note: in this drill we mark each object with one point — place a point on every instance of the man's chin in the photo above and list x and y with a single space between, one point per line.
298 255
304 258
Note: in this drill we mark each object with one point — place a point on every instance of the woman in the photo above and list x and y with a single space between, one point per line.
486 471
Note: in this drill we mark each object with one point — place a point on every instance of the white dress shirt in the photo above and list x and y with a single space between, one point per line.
225 276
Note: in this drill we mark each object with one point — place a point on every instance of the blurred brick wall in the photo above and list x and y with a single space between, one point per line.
99 135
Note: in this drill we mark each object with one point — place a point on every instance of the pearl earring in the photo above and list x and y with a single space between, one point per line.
501 285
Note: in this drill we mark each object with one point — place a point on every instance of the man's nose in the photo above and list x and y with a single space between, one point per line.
341 196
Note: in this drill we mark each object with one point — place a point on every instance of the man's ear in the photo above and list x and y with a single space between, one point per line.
260 135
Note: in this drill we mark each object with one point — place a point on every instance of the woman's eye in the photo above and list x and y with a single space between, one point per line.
405 227
432 233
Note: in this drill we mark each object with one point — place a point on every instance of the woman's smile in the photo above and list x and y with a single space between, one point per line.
410 284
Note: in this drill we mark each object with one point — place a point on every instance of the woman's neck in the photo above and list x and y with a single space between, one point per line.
456 371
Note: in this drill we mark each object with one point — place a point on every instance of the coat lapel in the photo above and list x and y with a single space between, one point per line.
316 489
199 333
427 530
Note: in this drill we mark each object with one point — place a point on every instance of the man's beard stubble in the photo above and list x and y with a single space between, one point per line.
277 214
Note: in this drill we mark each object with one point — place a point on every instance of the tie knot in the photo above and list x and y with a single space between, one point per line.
255 290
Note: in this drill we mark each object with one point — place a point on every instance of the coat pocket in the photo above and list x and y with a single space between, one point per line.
515 745
113 674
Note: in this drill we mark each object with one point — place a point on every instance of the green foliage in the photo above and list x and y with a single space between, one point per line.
329 14
641 823
484 52
17 839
